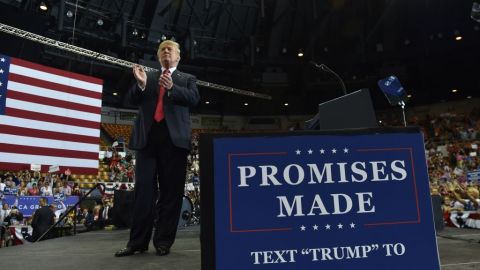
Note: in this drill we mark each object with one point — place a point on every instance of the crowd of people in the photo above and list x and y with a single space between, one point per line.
28 183
452 143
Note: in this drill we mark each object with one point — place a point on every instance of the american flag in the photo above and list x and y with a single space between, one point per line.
49 117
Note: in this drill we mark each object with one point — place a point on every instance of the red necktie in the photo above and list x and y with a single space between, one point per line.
159 115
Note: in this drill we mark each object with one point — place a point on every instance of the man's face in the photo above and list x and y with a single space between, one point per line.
168 55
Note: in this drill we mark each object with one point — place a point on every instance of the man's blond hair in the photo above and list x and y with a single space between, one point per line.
169 42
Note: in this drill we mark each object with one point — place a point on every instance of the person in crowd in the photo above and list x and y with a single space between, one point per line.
97 221
47 188
4 212
15 217
89 218
42 220
67 190
23 190
161 136
34 191
2 184
76 190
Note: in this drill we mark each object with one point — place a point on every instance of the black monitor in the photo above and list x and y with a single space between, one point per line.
354 110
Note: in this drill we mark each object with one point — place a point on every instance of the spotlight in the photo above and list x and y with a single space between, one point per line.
454 90
300 53
115 93
164 37
135 32
285 104
458 37
245 104
69 14
207 102
99 22
43 6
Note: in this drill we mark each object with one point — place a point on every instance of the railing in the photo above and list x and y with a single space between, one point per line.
73 208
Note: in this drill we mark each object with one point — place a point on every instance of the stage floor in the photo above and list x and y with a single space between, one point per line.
459 250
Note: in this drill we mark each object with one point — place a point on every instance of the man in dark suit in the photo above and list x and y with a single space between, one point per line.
161 136
42 220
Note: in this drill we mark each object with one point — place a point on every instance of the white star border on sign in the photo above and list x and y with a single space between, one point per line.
322 151
328 227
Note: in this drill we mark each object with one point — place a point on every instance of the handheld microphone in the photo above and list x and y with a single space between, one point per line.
327 69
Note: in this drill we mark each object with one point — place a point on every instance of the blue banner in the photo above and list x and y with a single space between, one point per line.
473 175
28 204
10 191
349 201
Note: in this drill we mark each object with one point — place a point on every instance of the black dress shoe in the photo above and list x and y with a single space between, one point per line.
128 251
162 251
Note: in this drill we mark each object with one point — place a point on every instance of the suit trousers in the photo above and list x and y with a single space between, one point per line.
159 186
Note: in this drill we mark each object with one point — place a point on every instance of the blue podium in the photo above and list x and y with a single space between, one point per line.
346 199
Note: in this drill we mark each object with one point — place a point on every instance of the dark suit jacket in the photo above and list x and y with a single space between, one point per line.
42 220
176 106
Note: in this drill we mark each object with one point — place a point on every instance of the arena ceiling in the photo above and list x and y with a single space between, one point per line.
254 45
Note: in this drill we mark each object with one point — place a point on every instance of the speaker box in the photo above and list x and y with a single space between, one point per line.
122 208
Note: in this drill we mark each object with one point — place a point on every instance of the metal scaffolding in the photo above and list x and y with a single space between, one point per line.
113 60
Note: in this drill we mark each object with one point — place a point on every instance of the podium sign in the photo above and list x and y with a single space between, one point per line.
319 200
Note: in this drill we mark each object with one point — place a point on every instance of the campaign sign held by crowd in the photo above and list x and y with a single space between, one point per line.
320 200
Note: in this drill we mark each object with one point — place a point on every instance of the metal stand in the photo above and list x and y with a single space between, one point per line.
402 104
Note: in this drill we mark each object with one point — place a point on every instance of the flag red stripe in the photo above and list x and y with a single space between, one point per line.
55 71
74 170
36 133
52 102
51 118
43 151
53 86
